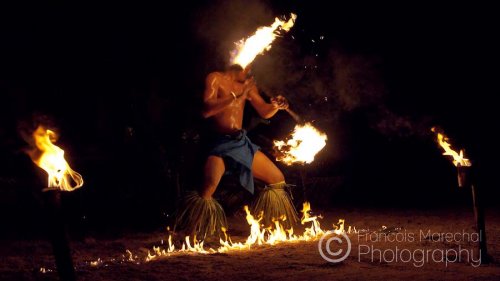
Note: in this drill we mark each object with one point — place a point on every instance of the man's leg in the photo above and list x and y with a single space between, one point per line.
201 214
213 172
265 170
274 200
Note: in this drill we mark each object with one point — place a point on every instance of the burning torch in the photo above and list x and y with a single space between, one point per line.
465 179
60 177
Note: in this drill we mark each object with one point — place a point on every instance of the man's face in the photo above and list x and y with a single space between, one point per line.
241 76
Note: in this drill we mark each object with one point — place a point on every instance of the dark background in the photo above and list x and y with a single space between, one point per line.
123 82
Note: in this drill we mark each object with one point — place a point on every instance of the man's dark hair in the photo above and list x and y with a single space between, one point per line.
235 68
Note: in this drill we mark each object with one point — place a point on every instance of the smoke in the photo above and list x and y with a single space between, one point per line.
227 21
321 78
27 125
324 86
356 80
358 84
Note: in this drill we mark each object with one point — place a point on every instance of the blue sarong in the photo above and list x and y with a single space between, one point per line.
238 152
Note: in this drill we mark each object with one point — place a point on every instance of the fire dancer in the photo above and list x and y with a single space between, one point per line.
232 151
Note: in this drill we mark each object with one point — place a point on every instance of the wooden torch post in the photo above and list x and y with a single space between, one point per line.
465 179
57 234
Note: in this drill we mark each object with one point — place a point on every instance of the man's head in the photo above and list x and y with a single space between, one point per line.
237 72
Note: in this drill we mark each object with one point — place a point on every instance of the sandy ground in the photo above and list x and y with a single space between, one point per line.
406 230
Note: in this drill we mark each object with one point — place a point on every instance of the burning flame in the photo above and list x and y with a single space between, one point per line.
96 262
50 158
315 229
258 236
458 158
305 143
260 41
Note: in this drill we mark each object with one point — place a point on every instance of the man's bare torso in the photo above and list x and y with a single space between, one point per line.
231 118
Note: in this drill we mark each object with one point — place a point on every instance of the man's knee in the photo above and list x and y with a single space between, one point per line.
209 187
210 183
276 177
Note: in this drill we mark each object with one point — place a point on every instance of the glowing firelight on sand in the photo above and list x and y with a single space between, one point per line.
458 157
50 158
260 41
305 142
259 235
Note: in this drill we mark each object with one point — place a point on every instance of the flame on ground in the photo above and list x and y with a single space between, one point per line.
260 41
258 236
96 262
50 158
305 142
458 158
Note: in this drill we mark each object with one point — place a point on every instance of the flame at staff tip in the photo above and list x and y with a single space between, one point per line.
305 142
458 158
260 41
50 158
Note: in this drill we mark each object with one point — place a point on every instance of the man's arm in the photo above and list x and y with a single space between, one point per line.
211 103
266 110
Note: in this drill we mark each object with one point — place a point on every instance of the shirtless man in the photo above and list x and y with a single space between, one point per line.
224 100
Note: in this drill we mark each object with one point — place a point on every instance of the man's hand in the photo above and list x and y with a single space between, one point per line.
248 85
279 102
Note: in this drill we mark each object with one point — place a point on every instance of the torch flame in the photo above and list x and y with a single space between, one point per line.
458 158
50 158
305 143
260 41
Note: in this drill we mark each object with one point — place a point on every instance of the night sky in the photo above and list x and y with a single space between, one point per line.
123 83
